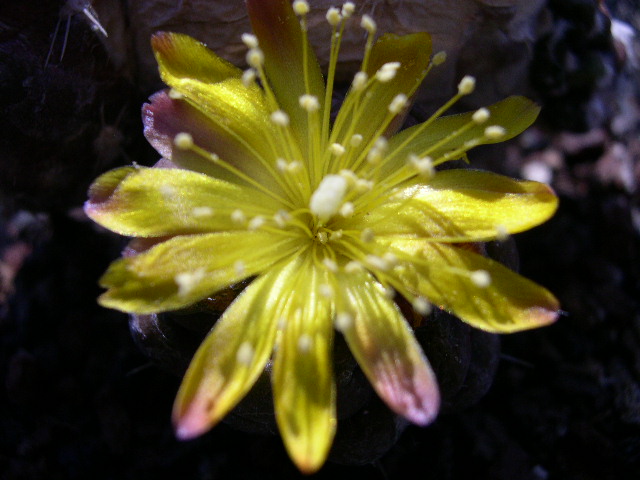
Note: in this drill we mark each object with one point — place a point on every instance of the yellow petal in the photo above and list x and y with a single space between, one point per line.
156 202
232 356
462 206
514 114
384 346
303 386
289 61
215 87
185 269
478 290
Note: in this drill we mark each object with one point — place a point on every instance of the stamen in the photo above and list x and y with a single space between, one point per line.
245 354
377 151
327 198
348 9
359 81
337 149
502 233
467 85
187 281
353 267
347 209
333 16
390 258
387 72
249 77
280 118
305 342
368 24
439 58
255 58
494 132
250 40
256 222
398 103
421 305
343 321
481 115
367 235
309 103
202 211
377 262
424 165
240 268
238 216
481 278
300 7
355 140
331 265
325 290
175 95
183 140
363 185
281 218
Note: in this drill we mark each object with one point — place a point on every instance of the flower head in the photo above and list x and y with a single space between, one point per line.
328 220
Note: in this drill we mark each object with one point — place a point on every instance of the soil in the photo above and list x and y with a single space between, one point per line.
80 400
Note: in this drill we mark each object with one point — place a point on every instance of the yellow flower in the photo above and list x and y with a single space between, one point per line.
330 221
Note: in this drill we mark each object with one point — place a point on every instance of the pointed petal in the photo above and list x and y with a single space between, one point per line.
232 356
185 269
462 206
412 52
443 274
214 86
388 353
303 386
155 202
515 114
290 76
165 117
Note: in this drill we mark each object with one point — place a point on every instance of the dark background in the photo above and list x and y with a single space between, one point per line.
79 400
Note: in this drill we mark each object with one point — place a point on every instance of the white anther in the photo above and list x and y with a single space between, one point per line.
502 233
249 77
281 218
349 176
480 116
377 262
294 166
333 16
398 103
390 258
359 81
377 151
494 132
327 198
421 305
309 103
322 237
363 185
336 149
238 216
325 290
183 140
347 209
355 140
255 58
250 40
368 24
202 212
343 321
367 235
353 267
175 95
187 281
336 235
387 72
256 222
240 268
305 342
280 118
389 292
348 9
245 353
424 165
331 265
300 7
282 164
439 58
481 278
466 85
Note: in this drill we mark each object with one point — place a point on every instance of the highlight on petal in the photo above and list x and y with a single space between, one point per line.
462 205
165 117
514 114
303 385
160 202
214 87
233 355
289 61
185 269
478 290
384 346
